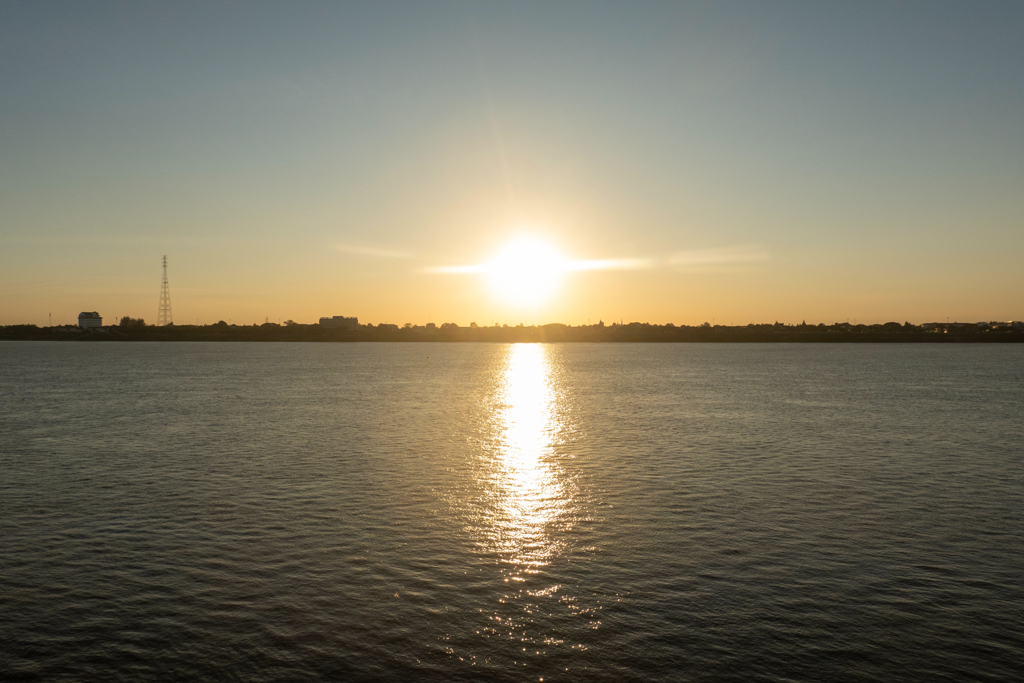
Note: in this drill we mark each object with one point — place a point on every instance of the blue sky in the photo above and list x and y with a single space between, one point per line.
304 159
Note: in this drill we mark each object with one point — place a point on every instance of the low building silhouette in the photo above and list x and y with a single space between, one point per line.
340 322
89 320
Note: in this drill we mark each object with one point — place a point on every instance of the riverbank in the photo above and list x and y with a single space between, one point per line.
541 333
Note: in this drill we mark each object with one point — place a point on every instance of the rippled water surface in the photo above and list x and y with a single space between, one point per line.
288 512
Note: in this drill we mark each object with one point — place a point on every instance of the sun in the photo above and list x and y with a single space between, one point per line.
526 272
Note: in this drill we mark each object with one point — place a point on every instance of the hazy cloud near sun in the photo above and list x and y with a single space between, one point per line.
692 260
374 252
698 259
612 264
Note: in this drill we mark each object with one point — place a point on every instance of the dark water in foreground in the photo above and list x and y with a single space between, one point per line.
289 512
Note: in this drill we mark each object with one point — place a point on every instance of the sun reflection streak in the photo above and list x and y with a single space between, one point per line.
532 498
530 510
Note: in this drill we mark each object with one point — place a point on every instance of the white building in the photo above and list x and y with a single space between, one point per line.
88 320
339 322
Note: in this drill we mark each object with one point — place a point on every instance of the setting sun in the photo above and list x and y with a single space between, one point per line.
527 272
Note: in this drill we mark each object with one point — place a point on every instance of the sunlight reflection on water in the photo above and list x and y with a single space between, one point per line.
531 498
526 505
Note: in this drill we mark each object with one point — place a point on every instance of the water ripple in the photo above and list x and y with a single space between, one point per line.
268 512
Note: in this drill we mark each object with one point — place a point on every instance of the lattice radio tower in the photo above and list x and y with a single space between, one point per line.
164 316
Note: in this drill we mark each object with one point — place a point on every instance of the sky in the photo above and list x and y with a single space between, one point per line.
742 161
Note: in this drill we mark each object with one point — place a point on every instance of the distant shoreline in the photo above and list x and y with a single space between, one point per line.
541 334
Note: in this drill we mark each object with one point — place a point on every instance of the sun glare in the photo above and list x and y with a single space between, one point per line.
527 272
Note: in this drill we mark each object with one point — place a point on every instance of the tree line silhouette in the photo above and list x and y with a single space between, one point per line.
136 329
